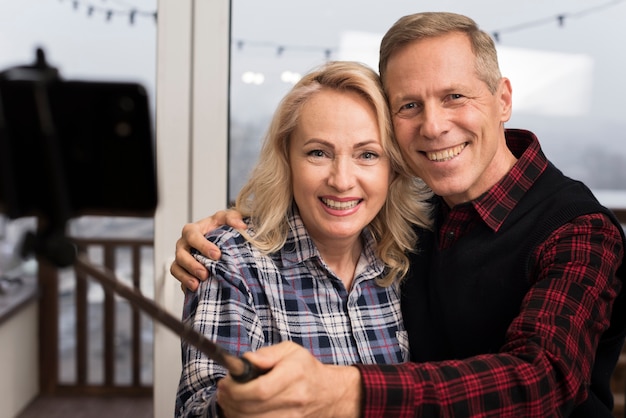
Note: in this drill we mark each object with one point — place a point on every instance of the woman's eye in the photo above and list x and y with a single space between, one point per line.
369 155
315 153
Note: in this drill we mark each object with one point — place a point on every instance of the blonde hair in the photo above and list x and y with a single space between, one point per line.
268 195
419 26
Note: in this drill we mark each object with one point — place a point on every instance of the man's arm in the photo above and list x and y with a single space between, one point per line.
185 268
297 384
544 368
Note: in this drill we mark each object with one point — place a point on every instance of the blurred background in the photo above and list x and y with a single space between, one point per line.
563 57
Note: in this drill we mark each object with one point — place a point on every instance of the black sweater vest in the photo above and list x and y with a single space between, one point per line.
459 302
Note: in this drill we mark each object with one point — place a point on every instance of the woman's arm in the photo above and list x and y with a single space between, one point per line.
223 310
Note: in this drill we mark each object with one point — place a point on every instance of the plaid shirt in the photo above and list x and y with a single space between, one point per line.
252 300
519 381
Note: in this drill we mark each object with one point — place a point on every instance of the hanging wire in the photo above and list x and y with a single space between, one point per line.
559 18
129 11
281 48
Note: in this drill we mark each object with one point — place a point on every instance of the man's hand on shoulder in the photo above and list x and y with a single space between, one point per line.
185 268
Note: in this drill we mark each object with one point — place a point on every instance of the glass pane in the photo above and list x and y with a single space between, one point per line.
90 41
560 56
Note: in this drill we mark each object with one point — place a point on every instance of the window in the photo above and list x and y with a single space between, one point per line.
111 40
561 57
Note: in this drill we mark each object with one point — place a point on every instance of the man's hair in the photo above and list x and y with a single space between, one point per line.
268 195
419 26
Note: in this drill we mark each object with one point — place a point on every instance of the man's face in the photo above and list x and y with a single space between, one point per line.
447 122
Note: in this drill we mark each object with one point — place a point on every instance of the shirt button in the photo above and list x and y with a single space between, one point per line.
450 235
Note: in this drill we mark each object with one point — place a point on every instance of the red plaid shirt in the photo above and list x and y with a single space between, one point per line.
520 380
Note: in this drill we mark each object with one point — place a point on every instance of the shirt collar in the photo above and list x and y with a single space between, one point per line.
496 204
299 246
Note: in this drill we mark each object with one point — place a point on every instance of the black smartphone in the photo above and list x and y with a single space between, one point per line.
89 144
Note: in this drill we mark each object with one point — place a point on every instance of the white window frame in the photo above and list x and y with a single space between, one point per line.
192 84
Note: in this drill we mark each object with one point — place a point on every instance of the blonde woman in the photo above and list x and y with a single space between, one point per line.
330 211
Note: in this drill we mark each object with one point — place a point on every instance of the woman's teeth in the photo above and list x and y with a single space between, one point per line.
333 204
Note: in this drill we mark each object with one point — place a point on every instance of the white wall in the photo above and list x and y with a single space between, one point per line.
192 134
19 376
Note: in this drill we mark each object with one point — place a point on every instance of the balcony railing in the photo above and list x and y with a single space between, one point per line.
92 341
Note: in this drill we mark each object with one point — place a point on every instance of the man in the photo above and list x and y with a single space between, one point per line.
515 308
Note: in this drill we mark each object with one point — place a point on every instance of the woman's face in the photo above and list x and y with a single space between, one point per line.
340 174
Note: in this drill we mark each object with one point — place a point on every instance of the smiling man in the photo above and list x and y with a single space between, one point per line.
514 308
448 121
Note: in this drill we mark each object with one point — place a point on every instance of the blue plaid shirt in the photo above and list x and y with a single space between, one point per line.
252 300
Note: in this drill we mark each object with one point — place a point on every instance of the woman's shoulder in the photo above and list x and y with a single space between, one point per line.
226 234
232 243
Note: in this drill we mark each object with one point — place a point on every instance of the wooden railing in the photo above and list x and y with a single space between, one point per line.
99 375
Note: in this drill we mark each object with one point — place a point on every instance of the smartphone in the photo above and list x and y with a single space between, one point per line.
85 146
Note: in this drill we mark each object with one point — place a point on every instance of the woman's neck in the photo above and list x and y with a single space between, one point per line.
342 257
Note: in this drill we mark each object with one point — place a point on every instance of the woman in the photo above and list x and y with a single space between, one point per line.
329 223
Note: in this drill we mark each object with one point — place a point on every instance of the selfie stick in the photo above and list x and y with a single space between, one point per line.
240 369
51 243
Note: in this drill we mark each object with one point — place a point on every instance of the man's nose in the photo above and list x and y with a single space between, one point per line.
432 121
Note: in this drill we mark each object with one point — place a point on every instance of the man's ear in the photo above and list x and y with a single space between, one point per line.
505 95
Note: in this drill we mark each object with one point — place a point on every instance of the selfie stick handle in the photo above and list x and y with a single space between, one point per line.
240 369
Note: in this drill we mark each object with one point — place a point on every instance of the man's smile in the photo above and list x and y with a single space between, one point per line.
446 154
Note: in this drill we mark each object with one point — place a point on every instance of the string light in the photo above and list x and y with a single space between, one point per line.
282 48
131 13
560 19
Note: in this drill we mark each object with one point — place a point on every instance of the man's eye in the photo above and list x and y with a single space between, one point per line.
408 110
454 96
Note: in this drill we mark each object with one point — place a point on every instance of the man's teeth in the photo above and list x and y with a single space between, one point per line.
445 154
340 205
